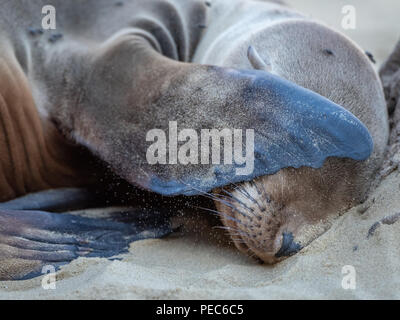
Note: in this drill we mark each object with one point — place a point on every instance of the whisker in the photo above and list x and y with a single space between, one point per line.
262 209
239 232
238 200
246 194
233 207
250 253
238 241
266 194
237 187
254 183
235 234
218 213
214 197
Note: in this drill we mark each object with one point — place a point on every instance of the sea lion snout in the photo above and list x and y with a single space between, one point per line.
260 226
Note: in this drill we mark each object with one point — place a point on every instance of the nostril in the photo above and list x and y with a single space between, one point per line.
289 247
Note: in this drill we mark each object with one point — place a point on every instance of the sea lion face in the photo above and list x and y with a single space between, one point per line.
274 217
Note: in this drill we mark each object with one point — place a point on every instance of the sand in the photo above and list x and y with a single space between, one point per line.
200 263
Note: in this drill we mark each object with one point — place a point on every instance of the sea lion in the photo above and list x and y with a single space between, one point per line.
111 74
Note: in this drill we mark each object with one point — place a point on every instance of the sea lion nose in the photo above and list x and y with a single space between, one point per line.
289 246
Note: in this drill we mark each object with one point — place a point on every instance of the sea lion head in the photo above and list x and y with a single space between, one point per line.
275 216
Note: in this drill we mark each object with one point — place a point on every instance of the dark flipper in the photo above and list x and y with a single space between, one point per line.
285 125
30 240
56 200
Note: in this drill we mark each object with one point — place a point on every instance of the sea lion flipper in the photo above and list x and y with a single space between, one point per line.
294 127
154 98
56 200
30 240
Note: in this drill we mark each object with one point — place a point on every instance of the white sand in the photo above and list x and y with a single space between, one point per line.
201 264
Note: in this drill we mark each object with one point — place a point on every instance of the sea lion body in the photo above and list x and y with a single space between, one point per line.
38 154
109 74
